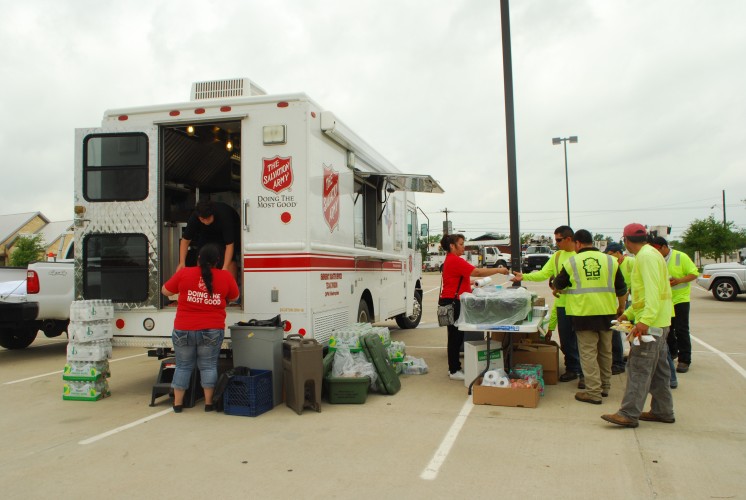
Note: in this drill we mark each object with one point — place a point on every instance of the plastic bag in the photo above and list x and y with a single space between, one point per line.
353 364
495 306
413 366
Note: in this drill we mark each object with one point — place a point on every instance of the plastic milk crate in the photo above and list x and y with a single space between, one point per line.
249 396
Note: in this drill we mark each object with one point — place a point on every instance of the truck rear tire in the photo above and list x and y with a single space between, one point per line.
363 312
409 322
55 327
17 338
725 290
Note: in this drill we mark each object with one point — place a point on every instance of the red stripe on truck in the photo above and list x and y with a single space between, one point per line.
314 262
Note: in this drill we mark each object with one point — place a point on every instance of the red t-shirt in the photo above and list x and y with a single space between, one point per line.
197 309
454 268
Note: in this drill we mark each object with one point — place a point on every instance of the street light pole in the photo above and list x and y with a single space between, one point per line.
555 141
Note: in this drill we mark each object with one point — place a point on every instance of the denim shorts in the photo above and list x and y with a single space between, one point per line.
200 348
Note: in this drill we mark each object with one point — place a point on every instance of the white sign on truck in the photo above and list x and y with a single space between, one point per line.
328 226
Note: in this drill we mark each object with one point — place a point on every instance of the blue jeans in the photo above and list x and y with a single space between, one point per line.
568 342
202 346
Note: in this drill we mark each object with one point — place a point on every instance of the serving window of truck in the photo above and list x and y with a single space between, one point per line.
115 167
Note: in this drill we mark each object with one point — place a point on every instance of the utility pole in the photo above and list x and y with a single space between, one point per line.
446 224
724 221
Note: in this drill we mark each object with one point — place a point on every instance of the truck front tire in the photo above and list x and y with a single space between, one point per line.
18 338
724 289
409 322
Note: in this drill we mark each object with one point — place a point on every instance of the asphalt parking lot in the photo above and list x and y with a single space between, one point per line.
427 441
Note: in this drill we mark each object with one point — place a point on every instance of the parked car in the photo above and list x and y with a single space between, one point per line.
724 280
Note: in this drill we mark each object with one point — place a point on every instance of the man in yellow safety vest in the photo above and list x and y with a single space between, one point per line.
681 271
563 236
626 263
596 293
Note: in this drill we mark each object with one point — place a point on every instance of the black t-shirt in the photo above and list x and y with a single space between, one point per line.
224 230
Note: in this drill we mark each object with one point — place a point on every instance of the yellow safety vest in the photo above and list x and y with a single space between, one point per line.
591 291
680 265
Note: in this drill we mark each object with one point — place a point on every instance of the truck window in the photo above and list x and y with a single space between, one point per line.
411 225
116 267
366 214
115 167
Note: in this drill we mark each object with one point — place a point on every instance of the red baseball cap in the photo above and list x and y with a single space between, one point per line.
634 229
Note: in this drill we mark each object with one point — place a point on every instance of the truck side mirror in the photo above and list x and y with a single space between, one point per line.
423 230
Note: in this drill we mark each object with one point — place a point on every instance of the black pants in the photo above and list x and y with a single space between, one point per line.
455 337
679 342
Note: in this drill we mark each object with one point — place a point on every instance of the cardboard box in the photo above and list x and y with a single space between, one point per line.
545 354
475 359
498 396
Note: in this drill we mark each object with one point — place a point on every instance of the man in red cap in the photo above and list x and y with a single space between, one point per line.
652 307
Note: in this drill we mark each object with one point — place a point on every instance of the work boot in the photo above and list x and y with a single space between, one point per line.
649 416
618 419
584 397
568 376
581 382
617 369
682 367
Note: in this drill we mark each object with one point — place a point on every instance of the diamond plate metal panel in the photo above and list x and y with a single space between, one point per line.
119 217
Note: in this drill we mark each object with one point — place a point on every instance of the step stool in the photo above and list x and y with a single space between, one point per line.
162 386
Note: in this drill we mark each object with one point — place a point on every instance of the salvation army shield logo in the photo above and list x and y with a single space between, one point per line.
277 173
330 198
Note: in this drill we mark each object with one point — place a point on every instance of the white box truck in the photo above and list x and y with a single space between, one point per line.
328 226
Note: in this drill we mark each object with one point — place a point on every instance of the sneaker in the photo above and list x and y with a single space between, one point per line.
581 382
459 375
568 376
618 419
682 367
649 416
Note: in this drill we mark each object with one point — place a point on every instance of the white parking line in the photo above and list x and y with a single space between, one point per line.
432 469
722 355
432 290
125 427
60 371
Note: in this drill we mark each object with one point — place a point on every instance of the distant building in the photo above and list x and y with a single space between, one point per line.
55 235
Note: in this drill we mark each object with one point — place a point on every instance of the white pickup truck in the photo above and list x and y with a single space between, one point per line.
725 280
40 302
493 257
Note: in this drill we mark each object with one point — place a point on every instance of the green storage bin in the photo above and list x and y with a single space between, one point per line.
347 390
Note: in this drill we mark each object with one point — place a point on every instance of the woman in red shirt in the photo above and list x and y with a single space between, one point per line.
455 270
199 326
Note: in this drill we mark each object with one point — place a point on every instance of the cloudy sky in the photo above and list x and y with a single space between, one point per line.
655 92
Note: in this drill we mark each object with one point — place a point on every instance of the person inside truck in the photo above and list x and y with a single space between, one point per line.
199 326
216 223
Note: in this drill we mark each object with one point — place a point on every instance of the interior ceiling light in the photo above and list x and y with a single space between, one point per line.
190 130
229 144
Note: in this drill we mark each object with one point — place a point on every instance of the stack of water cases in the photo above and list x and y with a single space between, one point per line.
88 350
